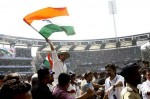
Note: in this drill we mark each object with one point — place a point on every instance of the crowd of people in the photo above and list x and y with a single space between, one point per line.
97 59
105 56
132 82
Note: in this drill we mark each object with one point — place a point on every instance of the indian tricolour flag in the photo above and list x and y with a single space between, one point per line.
49 20
48 62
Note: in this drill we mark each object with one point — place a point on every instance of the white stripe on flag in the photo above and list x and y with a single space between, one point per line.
60 21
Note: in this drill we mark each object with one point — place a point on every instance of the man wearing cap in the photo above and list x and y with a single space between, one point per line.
59 65
132 77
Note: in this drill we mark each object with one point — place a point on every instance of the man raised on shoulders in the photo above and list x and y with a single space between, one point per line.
59 58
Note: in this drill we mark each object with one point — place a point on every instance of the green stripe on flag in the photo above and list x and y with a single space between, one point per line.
69 30
47 30
46 63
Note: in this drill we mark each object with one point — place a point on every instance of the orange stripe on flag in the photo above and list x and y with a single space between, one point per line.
50 61
45 14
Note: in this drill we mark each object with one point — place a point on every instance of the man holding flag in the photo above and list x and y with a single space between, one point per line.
59 65
47 21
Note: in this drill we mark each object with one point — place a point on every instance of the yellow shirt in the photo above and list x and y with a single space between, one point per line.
130 92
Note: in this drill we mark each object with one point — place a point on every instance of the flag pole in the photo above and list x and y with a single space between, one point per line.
37 30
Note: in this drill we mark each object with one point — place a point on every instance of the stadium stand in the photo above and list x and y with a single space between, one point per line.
91 54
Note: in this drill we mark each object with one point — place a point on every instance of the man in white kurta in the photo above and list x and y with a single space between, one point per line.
59 65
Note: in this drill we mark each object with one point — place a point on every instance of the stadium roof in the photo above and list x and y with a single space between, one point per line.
77 45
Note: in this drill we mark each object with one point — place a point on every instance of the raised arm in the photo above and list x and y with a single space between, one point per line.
86 95
119 83
51 45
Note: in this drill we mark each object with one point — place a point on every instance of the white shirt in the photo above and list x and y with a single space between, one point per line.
58 66
76 89
145 87
109 83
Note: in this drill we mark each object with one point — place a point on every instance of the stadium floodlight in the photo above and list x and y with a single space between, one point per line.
112 11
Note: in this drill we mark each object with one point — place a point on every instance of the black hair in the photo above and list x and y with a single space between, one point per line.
143 71
87 74
63 79
14 87
12 76
129 70
42 72
112 66
72 74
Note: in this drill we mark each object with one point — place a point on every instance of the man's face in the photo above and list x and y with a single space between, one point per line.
73 78
148 75
62 57
49 78
109 71
90 77
95 75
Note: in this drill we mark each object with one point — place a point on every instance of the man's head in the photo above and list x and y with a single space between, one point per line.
63 55
102 75
45 75
110 70
73 77
131 74
16 89
95 74
145 64
64 80
88 76
12 76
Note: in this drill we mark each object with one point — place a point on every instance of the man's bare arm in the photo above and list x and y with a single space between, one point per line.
51 45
